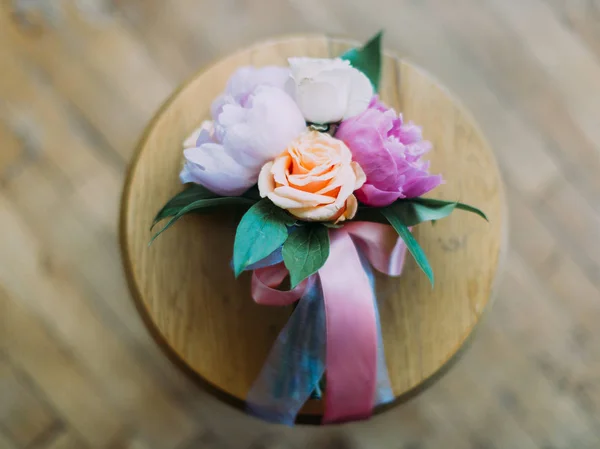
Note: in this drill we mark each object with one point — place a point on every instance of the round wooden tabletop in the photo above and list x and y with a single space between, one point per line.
186 290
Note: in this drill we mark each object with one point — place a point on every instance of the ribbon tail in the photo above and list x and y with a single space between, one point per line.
351 347
295 363
383 390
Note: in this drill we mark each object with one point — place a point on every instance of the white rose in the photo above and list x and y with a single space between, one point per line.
328 90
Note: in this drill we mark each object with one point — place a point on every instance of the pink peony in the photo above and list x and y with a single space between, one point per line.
389 151
253 122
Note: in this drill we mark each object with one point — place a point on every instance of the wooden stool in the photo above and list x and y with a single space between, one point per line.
185 288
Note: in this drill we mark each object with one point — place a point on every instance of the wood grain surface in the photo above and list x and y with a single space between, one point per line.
80 80
184 281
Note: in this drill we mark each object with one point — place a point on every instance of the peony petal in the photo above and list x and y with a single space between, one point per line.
245 80
202 134
415 150
377 104
232 115
210 166
408 133
372 196
389 152
259 132
216 108
421 185
368 149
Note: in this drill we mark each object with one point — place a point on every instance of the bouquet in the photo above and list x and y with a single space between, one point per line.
333 182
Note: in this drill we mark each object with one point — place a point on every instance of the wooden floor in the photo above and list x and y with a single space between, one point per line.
80 79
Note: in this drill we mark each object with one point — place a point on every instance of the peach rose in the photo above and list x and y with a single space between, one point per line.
313 179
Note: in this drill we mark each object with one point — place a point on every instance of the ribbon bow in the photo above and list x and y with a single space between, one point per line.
334 329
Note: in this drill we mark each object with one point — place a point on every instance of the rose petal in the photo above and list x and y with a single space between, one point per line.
310 178
283 202
361 92
280 169
361 177
350 211
318 194
303 67
321 102
306 199
322 213
266 183
344 175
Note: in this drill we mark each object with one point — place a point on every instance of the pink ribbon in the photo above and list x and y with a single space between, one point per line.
351 340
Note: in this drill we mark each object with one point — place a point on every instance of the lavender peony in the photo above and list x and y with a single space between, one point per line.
389 151
245 80
253 122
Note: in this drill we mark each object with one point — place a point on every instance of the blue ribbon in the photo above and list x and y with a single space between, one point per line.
296 362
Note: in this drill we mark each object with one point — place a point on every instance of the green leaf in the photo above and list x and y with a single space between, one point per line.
367 59
365 213
252 193
191 194
261 231
408 212
412 213
437 203
202 205
305 251
412 245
